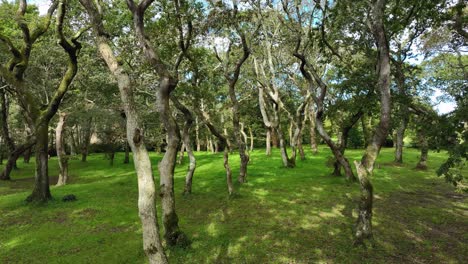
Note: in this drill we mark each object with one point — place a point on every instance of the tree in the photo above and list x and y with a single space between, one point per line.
146 190
13 73
168 80
232 68
365 167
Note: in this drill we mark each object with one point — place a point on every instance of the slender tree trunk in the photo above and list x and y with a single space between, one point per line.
300 147
404 113
366 166
146 188
1 151
181 154
111 157
211 146
275 138
366 123
72 141
287 163
5 105
127 153
226 135
423 145
173 235
60 145
188 143
268 141
223 140
41 191
313 137
399 143
27 155
197 134
296 130
251 139
216 146
337 153
86 140
5 175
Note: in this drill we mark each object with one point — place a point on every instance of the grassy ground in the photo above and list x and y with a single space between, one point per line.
300 215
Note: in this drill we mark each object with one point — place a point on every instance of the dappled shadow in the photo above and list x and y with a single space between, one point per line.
299 215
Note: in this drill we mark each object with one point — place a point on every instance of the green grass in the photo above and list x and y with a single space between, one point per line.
300 215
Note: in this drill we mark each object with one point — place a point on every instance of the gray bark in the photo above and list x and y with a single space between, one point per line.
60 147
187 142
268 142
146 189
366 166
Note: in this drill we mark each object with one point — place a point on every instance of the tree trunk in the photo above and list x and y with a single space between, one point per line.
268 142
86 139
274 138
197 135
296 130
364 221
111 157
27 155
127 153
146 189
41 191
173 235
365 168
399 143
226 135
251 139
403 112
366 123
216 146
300 147
182 153
60 145
6 130
423 145
223 140
5 175
71 143
188 143
287 162
337 152
313 137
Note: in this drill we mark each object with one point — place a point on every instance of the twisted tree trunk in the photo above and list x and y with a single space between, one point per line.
187 143
366 166
146 189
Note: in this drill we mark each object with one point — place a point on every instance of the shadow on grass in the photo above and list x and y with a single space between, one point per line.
299 215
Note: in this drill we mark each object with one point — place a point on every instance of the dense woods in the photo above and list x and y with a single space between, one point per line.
181 77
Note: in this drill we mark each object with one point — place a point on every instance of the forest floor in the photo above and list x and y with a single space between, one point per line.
300 215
